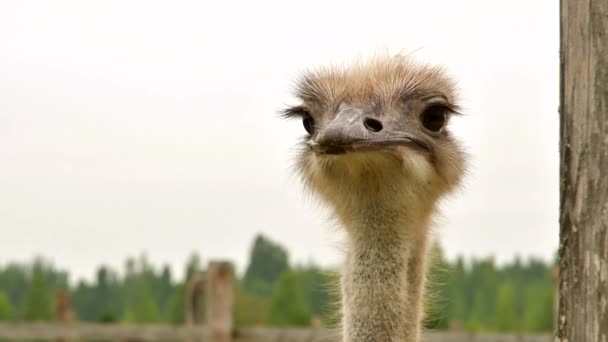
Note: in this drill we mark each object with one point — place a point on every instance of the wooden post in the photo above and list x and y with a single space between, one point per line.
64 312
63 307
195 292
583 272
220 299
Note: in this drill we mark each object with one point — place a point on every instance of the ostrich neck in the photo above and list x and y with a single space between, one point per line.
384 275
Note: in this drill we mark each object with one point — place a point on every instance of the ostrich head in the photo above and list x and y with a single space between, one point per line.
378 131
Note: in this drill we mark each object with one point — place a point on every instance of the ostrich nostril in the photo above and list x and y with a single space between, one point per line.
372 125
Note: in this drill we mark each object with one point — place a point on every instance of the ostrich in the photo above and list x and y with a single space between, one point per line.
379 154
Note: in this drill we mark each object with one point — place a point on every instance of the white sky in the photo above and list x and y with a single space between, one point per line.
146 126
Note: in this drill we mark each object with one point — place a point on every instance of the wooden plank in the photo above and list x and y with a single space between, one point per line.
157 332
97 331
258 334
583 311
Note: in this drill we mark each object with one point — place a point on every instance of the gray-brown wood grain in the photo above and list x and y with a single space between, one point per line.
583 312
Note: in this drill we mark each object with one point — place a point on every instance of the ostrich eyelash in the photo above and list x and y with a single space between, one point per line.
295 112
441 100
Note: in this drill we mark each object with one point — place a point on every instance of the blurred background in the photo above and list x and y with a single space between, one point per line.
140 139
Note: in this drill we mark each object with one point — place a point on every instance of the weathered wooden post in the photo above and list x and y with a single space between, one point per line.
64 312
220 298
63 307
583 272
195 292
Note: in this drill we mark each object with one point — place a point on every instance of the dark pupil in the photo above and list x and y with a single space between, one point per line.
308 124
434 118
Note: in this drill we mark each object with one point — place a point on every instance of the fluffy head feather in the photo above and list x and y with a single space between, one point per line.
389 88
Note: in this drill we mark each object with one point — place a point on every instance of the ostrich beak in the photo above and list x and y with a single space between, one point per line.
352 130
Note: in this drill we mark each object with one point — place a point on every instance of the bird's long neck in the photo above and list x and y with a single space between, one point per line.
383 278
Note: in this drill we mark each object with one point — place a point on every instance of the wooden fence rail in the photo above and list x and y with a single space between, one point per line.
12 331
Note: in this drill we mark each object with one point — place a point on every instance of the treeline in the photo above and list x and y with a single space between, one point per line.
472 296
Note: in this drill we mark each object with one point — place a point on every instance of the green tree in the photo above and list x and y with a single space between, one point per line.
266 263
175 311
473 325
250 309
14 282
6 309
144 308
482 286
315 285
287 306
475 318
538 316
37 302
506 316
106 296
163 288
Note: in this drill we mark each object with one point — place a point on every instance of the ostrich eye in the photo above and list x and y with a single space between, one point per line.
434 118
309 123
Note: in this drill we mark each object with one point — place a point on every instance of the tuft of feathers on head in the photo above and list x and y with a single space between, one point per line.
382 78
